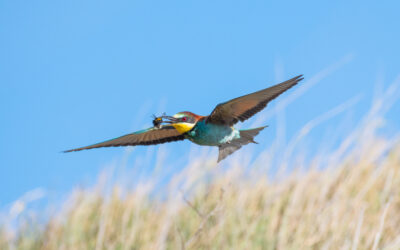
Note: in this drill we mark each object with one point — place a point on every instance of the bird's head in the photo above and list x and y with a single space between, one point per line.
182 121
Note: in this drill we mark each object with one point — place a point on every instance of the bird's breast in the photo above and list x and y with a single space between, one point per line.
211 134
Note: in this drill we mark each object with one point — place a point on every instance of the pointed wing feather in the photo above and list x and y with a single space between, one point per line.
242 108
149 136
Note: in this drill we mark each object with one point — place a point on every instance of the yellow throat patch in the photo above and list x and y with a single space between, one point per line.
183 127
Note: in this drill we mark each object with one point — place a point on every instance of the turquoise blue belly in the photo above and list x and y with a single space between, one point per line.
211 134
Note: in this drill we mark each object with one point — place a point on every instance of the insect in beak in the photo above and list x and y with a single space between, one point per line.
157 121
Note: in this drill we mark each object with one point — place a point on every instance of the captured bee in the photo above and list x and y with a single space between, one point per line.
157 121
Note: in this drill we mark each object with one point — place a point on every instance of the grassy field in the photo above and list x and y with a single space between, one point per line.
355 205
347 199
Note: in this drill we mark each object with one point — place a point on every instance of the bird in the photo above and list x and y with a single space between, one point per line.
216 129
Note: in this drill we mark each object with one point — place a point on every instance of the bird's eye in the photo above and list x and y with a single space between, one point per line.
184 119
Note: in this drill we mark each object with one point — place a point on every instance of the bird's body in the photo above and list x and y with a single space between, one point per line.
209 134
203 133
214 130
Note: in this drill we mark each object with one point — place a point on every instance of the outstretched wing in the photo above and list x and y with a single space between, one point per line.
242 108
149 136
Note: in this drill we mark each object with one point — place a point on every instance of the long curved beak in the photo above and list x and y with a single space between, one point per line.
169 119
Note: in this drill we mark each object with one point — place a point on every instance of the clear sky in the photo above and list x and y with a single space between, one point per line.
77 72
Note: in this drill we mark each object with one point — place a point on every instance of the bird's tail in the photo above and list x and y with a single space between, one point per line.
246 136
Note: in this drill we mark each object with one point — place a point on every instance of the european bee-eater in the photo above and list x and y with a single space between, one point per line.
215 129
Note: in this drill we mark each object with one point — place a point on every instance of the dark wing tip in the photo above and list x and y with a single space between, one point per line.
298 78
290 83
102 145
99 145
73 150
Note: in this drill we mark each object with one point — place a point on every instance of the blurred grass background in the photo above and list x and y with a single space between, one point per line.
348 198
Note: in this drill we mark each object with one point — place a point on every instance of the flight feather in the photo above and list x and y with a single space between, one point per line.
150 136
244 107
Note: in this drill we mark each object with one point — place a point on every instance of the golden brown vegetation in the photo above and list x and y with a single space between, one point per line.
355 205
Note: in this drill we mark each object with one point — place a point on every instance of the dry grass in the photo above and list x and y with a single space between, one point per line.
355 205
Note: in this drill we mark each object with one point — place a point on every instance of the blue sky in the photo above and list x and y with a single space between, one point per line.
74 73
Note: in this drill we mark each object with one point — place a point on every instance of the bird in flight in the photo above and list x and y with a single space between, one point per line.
215 129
